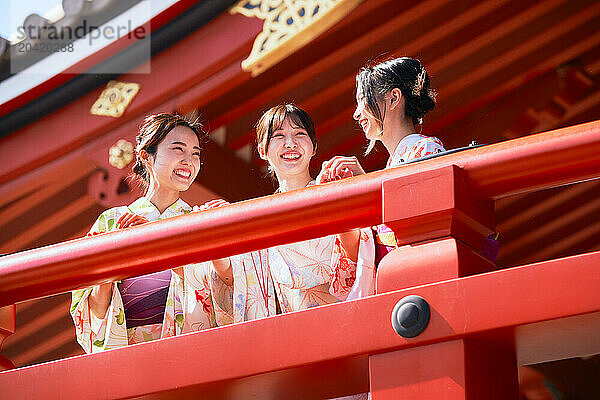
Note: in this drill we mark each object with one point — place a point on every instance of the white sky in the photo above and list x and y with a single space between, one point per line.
19 10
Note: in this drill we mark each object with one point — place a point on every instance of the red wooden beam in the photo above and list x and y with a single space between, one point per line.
241 360
531 163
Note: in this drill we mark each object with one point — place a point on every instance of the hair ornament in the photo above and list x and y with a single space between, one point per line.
418 86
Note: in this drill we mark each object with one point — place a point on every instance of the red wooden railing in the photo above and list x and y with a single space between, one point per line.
440 208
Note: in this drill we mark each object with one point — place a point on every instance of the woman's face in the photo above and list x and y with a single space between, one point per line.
365 119
177 160
290 150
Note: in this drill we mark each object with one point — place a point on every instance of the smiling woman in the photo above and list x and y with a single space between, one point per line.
300 275
287 141
165 303
392 98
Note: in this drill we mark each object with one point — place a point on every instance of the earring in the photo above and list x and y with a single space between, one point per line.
419 126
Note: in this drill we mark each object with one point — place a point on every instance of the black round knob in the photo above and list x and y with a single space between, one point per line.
410 316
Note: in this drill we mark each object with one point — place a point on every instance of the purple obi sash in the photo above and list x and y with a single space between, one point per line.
144 298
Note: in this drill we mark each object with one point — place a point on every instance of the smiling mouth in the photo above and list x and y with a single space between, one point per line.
364 123
290 156
182 173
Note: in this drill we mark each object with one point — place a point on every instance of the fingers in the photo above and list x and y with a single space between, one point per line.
123 221
327 164
327 173
138 221
340 167
216 203
346 166
127 220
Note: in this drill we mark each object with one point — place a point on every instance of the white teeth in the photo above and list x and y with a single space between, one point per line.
182 173
291 156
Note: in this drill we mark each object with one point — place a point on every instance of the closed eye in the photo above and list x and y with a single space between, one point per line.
178 148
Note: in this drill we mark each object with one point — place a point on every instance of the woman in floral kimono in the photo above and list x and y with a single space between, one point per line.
160 304
392 98
300 275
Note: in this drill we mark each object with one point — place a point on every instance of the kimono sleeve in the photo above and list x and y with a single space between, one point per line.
303 265
106 222
351 279
208 303
97 334
222 294
93 333
364 284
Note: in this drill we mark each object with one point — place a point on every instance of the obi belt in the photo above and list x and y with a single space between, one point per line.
144 298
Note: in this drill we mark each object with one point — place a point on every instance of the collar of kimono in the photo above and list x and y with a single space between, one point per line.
405 144
144 207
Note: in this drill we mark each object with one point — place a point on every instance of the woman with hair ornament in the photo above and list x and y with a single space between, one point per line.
392 99
160 304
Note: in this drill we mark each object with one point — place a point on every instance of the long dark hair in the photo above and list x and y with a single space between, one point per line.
404 73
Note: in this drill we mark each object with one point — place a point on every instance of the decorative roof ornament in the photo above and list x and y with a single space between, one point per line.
120 154
289 25
115 98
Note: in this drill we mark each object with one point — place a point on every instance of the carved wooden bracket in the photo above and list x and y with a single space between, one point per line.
111 188
288 26
109 185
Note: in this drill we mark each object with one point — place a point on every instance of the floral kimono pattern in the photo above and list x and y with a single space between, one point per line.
189 305
382 239
302 275
414 146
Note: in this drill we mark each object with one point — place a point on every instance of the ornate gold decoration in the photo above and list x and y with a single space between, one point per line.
115 98
419 82
121 154
289 25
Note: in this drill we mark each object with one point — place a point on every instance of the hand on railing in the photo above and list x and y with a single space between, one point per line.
339 167
129 219
216 203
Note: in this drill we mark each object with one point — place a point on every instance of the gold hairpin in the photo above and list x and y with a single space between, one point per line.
418 86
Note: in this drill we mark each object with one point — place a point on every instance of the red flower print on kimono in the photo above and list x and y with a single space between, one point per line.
78 321
344 274
203 297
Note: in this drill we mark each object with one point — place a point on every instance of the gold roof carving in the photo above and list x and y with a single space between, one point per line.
115 99
289 25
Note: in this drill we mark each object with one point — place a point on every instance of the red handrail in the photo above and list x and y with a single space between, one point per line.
323 352
531 163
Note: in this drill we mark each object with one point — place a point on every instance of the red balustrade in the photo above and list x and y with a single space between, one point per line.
482 323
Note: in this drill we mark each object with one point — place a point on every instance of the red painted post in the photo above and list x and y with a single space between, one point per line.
7 327
457 369
441 226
